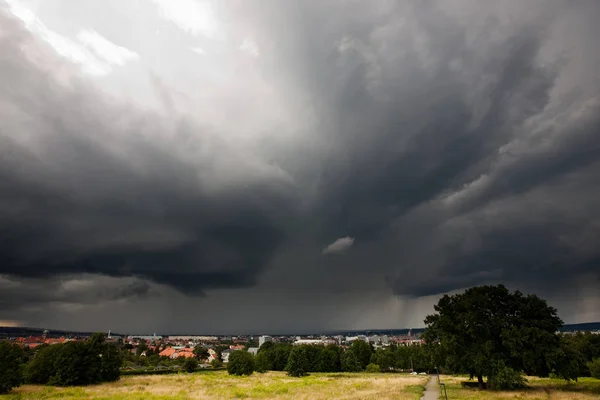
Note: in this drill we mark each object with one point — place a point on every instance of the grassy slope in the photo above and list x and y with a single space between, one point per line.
540 389
219 385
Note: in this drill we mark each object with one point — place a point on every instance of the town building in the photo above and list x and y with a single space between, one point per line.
264 339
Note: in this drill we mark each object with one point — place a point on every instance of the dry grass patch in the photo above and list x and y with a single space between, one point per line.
540 389
220 385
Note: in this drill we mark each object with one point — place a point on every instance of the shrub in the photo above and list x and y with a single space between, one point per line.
373 368
594 368
11 374
506 378
298 364
216 363
190 364
240 363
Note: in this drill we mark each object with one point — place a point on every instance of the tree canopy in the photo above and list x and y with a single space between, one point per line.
362 350
350 362
190 364
240 363
487 328
75 363
201 352
298 361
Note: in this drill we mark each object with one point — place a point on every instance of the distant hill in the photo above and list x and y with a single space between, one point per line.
587 326
379 332
7 332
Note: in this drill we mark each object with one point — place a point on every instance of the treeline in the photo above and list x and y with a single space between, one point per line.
360 356
71 363
582 352
574 356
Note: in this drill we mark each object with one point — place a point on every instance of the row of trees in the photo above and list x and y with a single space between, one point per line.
360 356
299 360
583 351
71 363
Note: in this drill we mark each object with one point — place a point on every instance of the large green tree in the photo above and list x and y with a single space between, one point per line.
11 358
488 326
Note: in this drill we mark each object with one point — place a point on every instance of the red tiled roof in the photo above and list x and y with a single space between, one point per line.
168 352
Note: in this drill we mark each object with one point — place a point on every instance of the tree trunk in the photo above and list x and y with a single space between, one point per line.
480 382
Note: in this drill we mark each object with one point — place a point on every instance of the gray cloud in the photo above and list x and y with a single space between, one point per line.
340 245
457 141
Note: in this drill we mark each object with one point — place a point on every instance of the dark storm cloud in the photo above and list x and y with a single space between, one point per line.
419 115
81 290
73 203
400 139
458 143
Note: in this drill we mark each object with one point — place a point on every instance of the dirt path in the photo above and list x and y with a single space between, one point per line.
432 390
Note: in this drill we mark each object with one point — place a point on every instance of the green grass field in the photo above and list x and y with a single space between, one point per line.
540 389
220 385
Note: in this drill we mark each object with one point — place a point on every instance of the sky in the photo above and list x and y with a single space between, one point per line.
293 166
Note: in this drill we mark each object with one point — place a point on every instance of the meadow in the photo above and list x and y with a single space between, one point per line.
539 389
220 385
